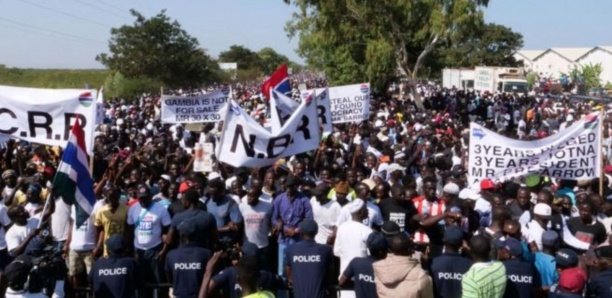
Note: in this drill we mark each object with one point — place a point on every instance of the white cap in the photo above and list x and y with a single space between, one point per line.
542 209
569 117
355 205
468 194
165 177
395 167
451 188
213 175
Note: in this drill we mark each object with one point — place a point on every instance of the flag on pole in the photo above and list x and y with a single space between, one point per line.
278 81
73 180
100 106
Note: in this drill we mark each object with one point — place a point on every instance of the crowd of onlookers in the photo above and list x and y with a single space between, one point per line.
382 209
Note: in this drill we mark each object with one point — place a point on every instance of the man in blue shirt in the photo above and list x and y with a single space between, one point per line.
309 262
545 260
599 284
226 213
290 209
522 276
185 265
115 276
361 270
448 268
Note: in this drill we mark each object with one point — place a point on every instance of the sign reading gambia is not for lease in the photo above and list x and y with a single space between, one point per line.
193 109
573 153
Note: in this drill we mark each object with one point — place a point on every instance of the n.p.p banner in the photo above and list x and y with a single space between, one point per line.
573 153
245 143
349 103
46 116
193 109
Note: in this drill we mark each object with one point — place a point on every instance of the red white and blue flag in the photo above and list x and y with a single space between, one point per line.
73 180
279 81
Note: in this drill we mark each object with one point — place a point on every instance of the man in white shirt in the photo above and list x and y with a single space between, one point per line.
325 213
24 228
351 238
149 222
257 215
5 223
79 246
533 230
374 216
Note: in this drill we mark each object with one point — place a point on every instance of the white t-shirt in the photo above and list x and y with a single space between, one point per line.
148 225
17 234
257 222
350 242
83 237
59 221
374 216
532 232
31 208
4 221
325 216
264 197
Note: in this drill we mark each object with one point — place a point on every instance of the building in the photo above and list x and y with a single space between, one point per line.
553 62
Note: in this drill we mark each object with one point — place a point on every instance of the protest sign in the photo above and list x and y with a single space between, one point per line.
46 116
573 153
349 103
324 110
193 109
245 143
203 161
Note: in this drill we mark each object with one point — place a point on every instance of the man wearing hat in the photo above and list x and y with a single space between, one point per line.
325 212
351 237
361 271
572 278
522 276
599 284
308 264
533 230
185 265
115 275
448 268
149 222
290 208
545 260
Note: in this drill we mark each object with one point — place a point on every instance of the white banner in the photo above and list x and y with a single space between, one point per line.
573 153
46 116
193 109
324 110
349 103
203 161
245 143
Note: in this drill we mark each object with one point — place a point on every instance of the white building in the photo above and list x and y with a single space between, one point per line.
553 62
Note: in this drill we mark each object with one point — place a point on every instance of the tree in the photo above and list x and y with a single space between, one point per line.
246 59
586 77
269 60
336 35
160 50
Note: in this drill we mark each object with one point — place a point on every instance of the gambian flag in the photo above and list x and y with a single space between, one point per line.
278 81
73 181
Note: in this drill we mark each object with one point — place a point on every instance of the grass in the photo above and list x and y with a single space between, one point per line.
53 78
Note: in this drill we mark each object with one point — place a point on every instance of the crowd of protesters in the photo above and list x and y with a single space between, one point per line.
382 209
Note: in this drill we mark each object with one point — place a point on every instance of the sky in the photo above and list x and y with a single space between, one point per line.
70 33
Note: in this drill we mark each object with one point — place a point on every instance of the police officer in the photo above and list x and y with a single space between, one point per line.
115 276
185 265
309 262
360 269
448 268
521 275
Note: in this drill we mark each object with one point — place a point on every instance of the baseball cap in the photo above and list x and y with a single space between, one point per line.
542 210
572 280
487 184
453 235
187 227
17 272
184 186
566 258
458 170
604 252
550 238
390 228
308 227
249 249
376 242
512 245
114 244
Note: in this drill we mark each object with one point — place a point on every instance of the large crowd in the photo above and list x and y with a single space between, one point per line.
381 209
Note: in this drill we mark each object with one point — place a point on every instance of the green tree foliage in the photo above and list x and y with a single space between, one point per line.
158 49
340 37
245 58
483 44
269 60
586 77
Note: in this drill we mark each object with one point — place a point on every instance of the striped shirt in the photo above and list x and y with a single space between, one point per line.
484 280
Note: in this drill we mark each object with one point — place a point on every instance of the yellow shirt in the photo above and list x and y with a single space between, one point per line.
21 199
112 223
260 294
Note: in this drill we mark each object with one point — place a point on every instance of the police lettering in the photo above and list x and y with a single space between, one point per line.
366 278
187 266
450 275
525 279
307 259
113 271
